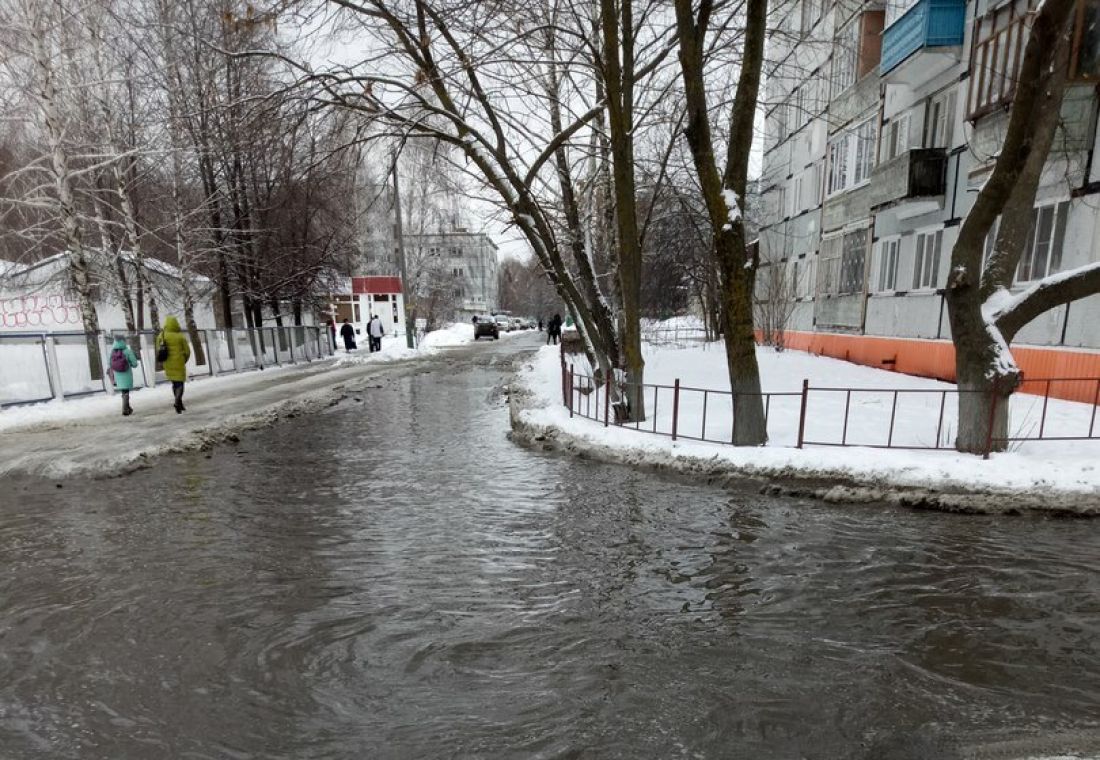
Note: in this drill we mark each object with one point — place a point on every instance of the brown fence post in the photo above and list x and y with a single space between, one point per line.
989 433
607 398
564 378
802 412
675 407
570 390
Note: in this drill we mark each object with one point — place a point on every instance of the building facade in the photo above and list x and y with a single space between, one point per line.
468 262
882 123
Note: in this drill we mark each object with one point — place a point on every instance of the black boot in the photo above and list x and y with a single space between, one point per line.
126 409
177 391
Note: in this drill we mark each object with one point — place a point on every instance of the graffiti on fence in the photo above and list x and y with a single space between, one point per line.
39 311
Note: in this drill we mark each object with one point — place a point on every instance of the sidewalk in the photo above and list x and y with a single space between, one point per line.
90 436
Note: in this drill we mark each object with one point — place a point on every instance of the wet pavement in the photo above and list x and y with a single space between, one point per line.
393 578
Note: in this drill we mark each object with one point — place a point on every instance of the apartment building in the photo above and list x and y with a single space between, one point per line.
469 259
882 123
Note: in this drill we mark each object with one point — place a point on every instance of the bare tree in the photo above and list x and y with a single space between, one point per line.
984 316
724 195
37 35
776 294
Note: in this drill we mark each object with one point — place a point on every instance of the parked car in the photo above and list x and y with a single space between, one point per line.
517 324
504 323
486 327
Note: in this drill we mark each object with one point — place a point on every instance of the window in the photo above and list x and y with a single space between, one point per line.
852 262
776 200
895 139
799 193
1043 254
779 119
1086 43
888 265
845 57
926 264
800 116
841 263
851 157
838 164
806 16
865 151
828 268
998 48
813 187
812 100
939 117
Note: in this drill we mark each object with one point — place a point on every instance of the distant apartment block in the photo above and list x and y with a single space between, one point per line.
882 122
469 259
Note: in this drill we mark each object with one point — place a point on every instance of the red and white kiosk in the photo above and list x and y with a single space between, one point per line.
368 296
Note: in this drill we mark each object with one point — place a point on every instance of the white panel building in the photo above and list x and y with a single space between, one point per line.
882 122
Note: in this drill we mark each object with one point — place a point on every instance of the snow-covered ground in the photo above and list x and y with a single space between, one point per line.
393 349
1067 468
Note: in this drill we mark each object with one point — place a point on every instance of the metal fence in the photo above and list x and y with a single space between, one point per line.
891 418
36 367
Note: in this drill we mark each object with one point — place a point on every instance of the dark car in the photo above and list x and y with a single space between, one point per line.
486 327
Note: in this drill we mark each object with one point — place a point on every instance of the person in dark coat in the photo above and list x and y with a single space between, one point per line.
553 330
332 332
347 332
540 324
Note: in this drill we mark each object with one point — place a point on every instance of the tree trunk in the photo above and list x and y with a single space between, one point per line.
618 78
986 373
79 269
724 196
983 427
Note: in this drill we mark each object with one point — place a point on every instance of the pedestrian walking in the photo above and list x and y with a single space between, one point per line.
332 333
173 351
123 362
553 330
376 332
347 332
540 324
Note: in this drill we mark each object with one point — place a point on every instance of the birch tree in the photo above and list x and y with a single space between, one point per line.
36 34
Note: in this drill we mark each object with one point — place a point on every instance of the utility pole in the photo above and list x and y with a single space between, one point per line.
410 326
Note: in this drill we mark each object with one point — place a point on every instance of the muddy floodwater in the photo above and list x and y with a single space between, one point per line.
393 578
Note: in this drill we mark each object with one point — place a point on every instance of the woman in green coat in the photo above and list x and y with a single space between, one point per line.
175 366
123 362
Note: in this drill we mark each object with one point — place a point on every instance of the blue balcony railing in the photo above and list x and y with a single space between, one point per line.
929 23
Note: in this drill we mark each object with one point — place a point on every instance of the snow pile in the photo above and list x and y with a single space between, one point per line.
395 347
1043 469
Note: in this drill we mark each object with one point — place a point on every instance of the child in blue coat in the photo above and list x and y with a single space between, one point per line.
122 362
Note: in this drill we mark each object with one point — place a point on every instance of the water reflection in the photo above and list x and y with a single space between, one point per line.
393 578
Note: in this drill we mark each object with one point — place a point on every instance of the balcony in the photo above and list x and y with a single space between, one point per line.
913 182
924 42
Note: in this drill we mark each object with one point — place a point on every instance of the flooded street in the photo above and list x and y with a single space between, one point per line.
393 578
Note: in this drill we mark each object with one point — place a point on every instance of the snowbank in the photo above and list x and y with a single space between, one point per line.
1036 475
